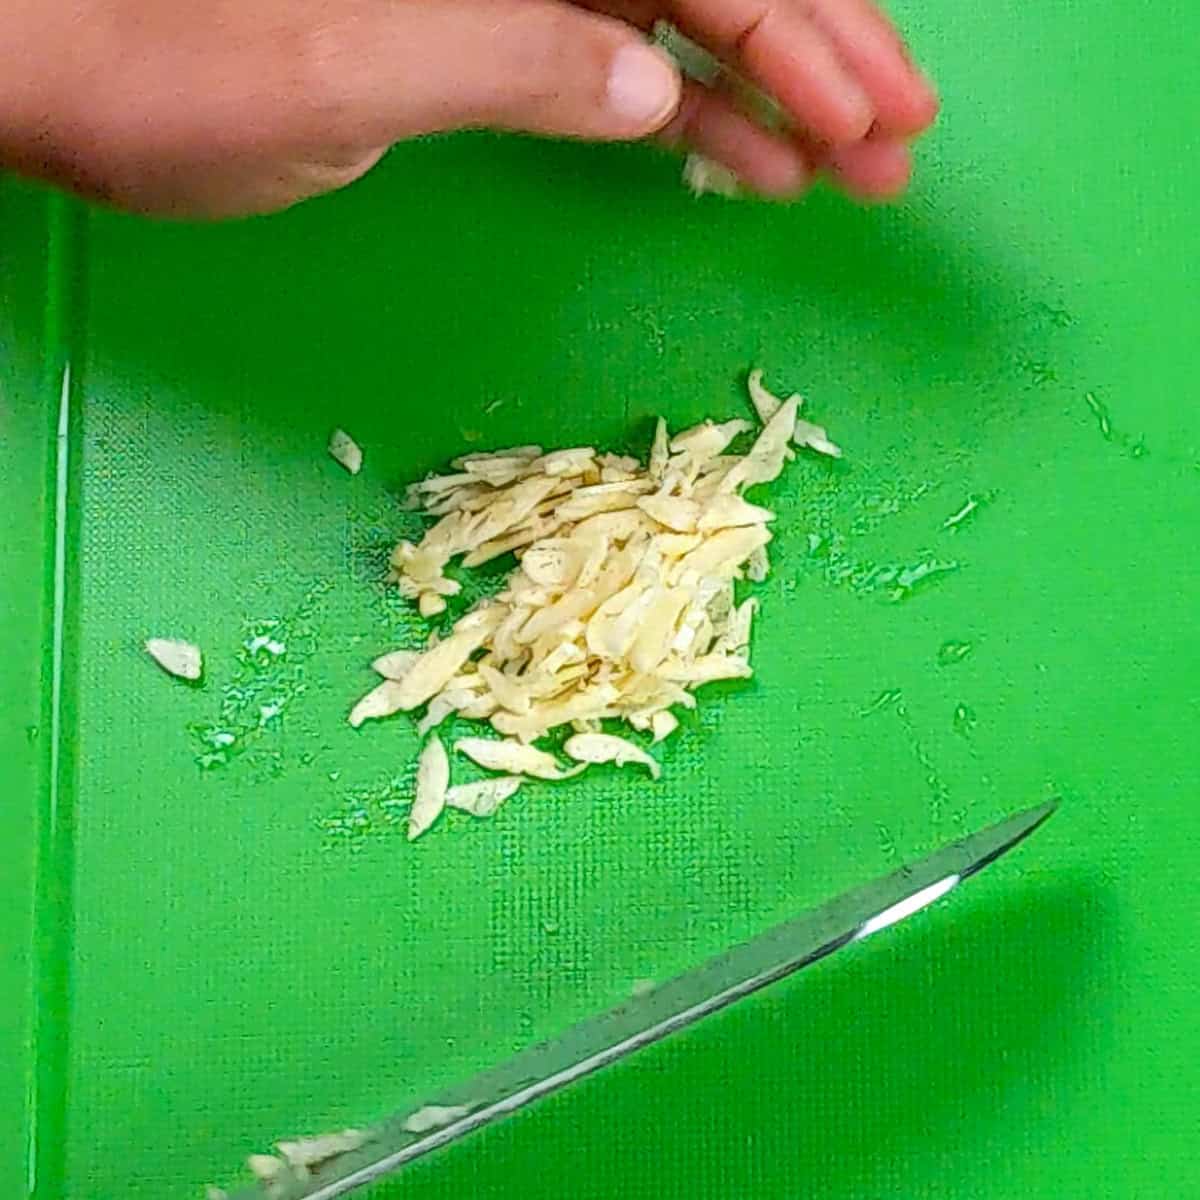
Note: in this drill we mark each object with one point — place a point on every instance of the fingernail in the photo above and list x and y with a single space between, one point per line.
643 87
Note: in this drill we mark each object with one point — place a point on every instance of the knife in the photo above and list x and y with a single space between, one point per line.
652 1015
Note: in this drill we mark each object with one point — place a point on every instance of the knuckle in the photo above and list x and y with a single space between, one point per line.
747 30
316 104
542 39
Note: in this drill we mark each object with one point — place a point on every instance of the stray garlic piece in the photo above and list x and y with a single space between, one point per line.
345 450
178 658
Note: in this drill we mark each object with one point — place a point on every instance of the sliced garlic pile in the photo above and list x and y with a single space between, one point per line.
620 605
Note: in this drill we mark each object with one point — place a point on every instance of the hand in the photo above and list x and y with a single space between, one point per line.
228 107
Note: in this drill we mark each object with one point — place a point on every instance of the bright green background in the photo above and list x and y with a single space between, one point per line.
203 963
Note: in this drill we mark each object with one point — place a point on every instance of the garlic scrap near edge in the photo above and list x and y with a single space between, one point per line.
434 1116
312 1151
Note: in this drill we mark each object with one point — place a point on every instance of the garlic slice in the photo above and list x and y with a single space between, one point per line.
181 659
381 701
605 748
395 664
433 781
482 798
346 451
663 724
514 758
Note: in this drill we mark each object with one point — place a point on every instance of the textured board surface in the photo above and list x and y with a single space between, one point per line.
197 959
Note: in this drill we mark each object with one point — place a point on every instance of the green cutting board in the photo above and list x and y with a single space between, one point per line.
200 956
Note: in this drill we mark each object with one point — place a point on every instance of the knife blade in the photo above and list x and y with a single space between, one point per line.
647 1018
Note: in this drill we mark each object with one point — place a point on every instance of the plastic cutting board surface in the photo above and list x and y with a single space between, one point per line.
200 958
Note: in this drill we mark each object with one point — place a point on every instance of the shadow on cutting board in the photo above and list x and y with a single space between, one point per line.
919 1059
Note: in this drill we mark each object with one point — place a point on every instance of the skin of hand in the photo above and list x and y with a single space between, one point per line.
232 107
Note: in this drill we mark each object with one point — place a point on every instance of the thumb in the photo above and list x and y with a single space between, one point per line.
538 66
